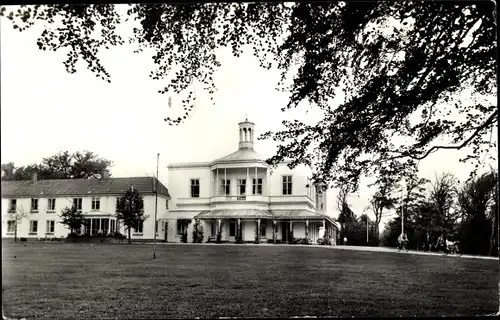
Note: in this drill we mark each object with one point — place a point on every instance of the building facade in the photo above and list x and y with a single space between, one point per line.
40 203
240 194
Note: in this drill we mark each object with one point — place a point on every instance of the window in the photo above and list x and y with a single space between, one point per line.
96 203
50 226
225 187
257 186
195 188
139 227
117 203
242 186
112 228
13 205
77 202
287 185
11 226
156 226
33 226
34 205
166 204
262 229
181 228
51 205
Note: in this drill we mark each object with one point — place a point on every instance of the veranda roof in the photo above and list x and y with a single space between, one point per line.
235 214
263 214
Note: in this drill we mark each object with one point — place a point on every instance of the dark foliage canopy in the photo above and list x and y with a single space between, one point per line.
62 165
401 65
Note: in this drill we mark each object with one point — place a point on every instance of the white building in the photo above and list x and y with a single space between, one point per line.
42 201
242 192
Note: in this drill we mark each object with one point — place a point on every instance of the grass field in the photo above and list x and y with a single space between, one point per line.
73 281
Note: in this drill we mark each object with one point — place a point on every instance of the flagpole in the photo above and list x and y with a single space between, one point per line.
156 204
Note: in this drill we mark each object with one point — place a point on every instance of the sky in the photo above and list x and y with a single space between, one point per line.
45 110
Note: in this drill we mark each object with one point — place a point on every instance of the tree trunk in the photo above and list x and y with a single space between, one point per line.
492 236
129 239
15 233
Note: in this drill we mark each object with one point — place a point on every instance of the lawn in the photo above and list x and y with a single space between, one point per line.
74 281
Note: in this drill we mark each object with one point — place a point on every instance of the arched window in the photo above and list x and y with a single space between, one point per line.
241 134
245 134
250 134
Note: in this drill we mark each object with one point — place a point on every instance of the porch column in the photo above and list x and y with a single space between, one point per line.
239 235
256 182
217 189
307 228
225 182
258 230
274 231
290 240
90 226
324 237
247 183
219 231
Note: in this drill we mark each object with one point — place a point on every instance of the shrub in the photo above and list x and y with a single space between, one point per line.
302 241
23 239
184 237
198 232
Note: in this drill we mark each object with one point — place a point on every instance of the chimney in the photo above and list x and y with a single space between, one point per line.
34 177
105 174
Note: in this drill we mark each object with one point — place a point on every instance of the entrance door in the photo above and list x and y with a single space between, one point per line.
166 231
232 230
285 231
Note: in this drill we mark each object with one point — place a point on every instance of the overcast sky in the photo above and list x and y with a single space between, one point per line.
45 110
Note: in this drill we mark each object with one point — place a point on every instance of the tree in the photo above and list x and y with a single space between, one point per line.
476 201
62 165
384 198
373 239
130 210
401 66
72 218
17 214
442 196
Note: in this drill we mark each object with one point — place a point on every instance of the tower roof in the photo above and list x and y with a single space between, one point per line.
243 154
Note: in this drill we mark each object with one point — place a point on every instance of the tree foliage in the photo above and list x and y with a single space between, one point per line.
130 210
467 213
62 165
72 218
401 66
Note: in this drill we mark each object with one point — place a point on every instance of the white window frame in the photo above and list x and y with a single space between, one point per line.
78 202
51 205
140 228
239 184
33 226
96 203
11 226
34 204
287 185
225 187
12 205
256 183
195 182
50 227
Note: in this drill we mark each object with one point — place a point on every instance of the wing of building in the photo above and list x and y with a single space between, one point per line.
40 203
241 195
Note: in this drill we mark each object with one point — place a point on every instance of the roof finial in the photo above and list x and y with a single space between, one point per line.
246 116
